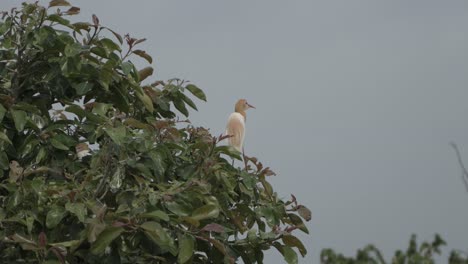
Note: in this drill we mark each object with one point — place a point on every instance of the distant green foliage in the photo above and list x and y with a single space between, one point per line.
96 167
413 255
458 257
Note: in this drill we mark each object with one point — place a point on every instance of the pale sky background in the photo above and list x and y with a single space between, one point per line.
357 102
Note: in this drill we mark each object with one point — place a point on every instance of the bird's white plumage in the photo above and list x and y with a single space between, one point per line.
236 129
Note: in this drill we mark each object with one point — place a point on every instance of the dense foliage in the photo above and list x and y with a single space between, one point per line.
96 167
415 254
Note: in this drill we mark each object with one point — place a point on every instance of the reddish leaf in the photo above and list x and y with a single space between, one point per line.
293 241
293 198
42 240
130 41
71 195
73 10
118 224
304 212
144 55
58 254
139 41
118 36
145 73
95 20
213 227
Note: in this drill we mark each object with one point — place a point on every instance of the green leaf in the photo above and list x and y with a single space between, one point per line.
143 169
144 55
186 248
77 110
5 138
94 228
101 52
117 134
158 215
54 216
2 112
29 108
230 151
117 178
51 261
189 101
78 209
297 221
109 44
67 244
145 73
57 144
101 109
58 19
151 226
269 213
191 221
37 122
159 236
29 223
81 25
118 36
25 243
127 67
37 184
206 212
178 208
252 235
289 255
4 162
292 241
15 199
146 100
58 3
66 140
196 91
159 165
73 50
134 123
180 105
83 87
20 119
105 238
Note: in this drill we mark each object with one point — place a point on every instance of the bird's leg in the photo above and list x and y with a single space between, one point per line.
245 160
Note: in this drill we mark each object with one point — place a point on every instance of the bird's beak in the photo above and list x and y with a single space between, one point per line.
251 106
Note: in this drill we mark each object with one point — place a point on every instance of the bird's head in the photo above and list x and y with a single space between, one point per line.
242 105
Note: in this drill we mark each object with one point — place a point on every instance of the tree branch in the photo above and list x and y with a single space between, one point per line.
462 166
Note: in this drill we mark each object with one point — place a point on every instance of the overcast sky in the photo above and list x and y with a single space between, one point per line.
357 102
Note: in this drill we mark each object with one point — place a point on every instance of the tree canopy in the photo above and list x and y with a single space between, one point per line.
98 163
425 252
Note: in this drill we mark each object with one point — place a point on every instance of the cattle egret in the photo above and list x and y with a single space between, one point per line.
236 124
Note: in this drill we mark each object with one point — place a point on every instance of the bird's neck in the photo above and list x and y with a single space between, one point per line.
242 112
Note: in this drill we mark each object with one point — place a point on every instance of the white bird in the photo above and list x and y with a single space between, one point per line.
236 125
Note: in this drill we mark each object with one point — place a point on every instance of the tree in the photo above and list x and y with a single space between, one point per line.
97 167
413 255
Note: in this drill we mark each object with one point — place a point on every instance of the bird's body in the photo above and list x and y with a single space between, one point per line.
235 128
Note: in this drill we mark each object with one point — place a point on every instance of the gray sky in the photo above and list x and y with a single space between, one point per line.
356 103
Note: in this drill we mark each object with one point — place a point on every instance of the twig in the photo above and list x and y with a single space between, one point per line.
464 171
245 159
42 170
